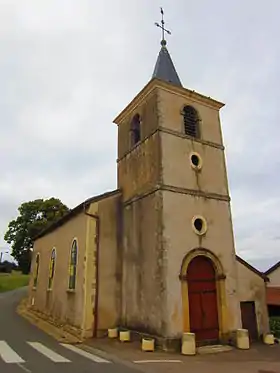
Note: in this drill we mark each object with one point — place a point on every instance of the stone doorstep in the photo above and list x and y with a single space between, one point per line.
213 349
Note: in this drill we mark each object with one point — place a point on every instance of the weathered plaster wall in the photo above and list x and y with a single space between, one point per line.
138 172
177 170
63 305
170 106
152 263
189 193
144 266
251 287
110 255
274 278
147 110
180 239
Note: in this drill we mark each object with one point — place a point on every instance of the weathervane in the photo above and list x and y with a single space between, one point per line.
163 41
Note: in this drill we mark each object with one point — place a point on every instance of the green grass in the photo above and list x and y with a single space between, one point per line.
11 281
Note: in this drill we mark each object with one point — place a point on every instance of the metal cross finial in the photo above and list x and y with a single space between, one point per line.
163 41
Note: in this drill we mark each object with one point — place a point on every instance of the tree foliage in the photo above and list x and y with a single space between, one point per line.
34 216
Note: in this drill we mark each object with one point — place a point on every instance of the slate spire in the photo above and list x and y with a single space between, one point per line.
164 68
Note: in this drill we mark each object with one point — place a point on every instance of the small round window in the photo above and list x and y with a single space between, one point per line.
199 225
196 161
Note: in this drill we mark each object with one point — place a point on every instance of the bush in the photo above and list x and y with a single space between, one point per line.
274 323
6 267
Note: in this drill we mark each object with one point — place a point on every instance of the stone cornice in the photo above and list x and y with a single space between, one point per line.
196 192
154 84
174 133
169 188
182 135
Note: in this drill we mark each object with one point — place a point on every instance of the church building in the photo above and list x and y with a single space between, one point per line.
156 255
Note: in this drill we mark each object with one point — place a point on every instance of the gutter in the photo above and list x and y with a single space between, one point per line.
97 239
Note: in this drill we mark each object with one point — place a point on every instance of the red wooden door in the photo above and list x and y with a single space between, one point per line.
203 299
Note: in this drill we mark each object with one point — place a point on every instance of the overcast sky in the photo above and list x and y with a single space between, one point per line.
68 67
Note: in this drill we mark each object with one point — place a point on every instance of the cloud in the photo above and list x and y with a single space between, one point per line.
67 67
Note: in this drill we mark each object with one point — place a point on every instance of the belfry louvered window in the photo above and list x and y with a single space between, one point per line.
135 129
191 121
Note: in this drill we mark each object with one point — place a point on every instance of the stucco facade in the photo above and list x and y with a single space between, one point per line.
96 243
58 302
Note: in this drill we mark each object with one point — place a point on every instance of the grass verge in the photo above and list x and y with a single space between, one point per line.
11 281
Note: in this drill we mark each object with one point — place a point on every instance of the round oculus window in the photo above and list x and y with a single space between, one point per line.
196 161
199 225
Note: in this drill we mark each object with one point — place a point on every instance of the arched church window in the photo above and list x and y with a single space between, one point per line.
191 121
37 264
51 268
73 265
135 129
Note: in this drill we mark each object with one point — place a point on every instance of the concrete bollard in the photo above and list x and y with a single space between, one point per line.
188 344
113 333
148 344
242 339
268 339
125 336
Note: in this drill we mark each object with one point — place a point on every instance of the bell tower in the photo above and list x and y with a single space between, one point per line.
177 225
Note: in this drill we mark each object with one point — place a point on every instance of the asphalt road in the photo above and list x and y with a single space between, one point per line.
25 348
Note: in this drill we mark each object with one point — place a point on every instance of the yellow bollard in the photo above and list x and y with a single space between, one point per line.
125 336
148 345
113 333
242 339
268 339
188 344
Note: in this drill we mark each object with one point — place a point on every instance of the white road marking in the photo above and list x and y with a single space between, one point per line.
8 354
156 361
86 354
48 353
24 368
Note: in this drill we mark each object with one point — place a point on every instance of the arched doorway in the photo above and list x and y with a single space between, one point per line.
203 309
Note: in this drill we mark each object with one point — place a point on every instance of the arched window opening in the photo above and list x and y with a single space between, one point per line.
37 264
51 269
73 265
191 121
135 129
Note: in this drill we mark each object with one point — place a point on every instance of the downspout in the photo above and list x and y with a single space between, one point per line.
97 235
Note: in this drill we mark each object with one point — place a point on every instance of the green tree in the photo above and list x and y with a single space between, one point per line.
34 216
